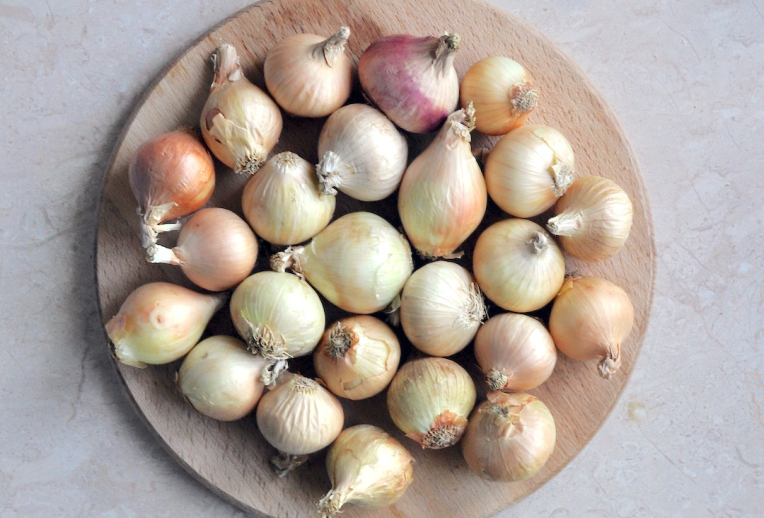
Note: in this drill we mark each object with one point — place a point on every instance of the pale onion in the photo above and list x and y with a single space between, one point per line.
283 203
360 262
309 75
510 437
278 314
357 357
362 154
159 323
441 308
216 250
412 79
171 176
240 123
529 169
298 417
503 92
443 198
367 468
221 379
515 352
593 219
518 265
430 399
590 320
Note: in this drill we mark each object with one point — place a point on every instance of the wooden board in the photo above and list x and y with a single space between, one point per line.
232 458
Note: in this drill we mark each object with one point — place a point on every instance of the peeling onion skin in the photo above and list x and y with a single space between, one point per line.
509 438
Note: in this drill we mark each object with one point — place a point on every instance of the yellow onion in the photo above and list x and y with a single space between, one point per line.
590 320
367 468
357 357
510 437
159 323
430 399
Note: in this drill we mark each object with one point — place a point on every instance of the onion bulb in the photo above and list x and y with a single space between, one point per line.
240 123
221 379
159 323
216 250
362 154
367 468
593 219
359 262
529 169
503 93
591 318
357 357
515 352
283 203
278 314
509 438
309 75
412 79
430 399
441 308
171 176
443 198
518 265
298 417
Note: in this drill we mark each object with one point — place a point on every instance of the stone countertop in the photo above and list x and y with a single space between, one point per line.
686 80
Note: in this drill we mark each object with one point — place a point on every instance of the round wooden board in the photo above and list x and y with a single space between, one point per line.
232 458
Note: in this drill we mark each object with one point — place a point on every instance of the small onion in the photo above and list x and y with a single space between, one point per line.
362 154
529 169
509 438
441 308
367 468
503 92
518 265
515 352
283 203
159 323
430 399
593 219
357 357
359 262
298 417
278 314
591 318
171 176
216 249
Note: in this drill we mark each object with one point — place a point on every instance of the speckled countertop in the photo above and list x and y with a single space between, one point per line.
687 82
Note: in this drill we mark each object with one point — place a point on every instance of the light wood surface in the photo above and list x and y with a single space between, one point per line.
232 458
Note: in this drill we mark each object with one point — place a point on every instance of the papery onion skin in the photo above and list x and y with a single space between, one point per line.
278 314
412 79
509 438
503 92
159 323
357 357
240 123
441 308
529 169
221 379
367 468
429 399
282 202
362 154
590 320
593 219
171 176
518 265
515 352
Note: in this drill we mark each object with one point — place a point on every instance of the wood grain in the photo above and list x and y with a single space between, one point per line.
232 458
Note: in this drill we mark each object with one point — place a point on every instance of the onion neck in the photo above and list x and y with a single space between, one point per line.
332 502
157 254
567 223
538 243
341 339
227 66
474 310
459 126
330 49
289 259
271 372
282 463
496 380
523 97
264 342
327 171
562 175
610 363
445 52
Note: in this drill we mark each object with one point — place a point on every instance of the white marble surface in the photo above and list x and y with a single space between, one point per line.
686 80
